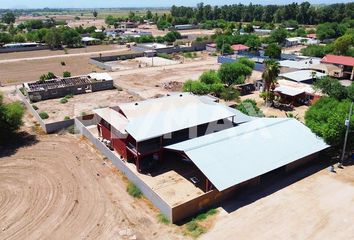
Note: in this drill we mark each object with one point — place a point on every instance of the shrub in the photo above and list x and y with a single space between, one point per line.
69 96
34 107
134 191
229 94
66 74
249 107
164 55
83 113
196 87
71 129
63 100
44 115
66 118
209 77
163 219
194 229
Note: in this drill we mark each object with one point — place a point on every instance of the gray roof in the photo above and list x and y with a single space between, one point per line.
156 117
302 75
290 91
235 155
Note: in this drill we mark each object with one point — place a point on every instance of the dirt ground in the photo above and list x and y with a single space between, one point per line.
43 53
319 206
59 187
83 103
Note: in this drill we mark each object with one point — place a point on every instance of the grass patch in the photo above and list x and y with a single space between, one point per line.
66 118
165 55
69 96
194 229
44 115
71 129
63 100
83 113
134 191
197 226
163 219
34 107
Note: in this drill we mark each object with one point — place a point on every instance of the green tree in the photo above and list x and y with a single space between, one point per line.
9 17
95 13
326 118
71 38
246 61
331 87
149 15
279 35
229 94
10 118
234 73
209 77
5 38
196 87
53 38
19 38
273 51
269 75
343 44
98 35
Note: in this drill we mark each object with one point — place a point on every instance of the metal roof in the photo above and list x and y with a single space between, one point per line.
175 119
306 63
302 75
238 154
113 117
342 60
290 91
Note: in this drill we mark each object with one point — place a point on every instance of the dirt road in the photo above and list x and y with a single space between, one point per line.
60 188
318 207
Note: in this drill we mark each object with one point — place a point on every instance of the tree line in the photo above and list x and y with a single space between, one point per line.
304 13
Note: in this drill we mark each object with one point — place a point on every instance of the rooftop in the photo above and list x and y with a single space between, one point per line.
239 47
342 60
302 75
238 154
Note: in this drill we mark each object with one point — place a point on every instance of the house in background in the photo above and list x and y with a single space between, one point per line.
346 63
239 48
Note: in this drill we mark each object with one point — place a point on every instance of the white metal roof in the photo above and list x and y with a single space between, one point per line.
100 76
113 117
235 155
290 91
175 119
302 75
300 64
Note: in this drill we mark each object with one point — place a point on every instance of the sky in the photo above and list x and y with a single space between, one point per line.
136 3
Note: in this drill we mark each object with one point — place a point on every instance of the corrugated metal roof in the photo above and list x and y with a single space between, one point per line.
175 119
342 60
235 155
302 75
290 91
113 117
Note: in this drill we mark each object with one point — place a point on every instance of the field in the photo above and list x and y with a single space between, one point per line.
29 66
58 187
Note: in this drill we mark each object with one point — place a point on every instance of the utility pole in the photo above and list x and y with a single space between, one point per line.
347 124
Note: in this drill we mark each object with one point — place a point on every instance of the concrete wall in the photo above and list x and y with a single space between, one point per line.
47 127
146 190
101 65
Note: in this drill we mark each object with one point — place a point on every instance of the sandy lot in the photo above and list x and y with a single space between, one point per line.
61 188
43 53
25 71
317 207
83 103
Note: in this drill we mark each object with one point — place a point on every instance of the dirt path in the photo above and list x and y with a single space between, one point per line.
317 207
59 188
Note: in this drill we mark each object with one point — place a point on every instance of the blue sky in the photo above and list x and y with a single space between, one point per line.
133 3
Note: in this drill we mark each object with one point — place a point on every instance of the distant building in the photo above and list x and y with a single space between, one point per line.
239 48
127 25
211 47
346 63
294 41
60 87
184 27
262 31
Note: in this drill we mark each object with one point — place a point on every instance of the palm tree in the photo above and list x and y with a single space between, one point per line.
270 74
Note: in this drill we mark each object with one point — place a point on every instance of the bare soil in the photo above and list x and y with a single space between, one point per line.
59 187
319 206
83 103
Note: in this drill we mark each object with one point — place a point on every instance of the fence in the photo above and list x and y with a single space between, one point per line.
145 189
47 127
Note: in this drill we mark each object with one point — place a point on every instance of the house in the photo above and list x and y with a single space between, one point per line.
305 76
346 63
90 41
312 35
262 31
127 25
206 148
60 87
239 48
294 41
184 27
211 47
